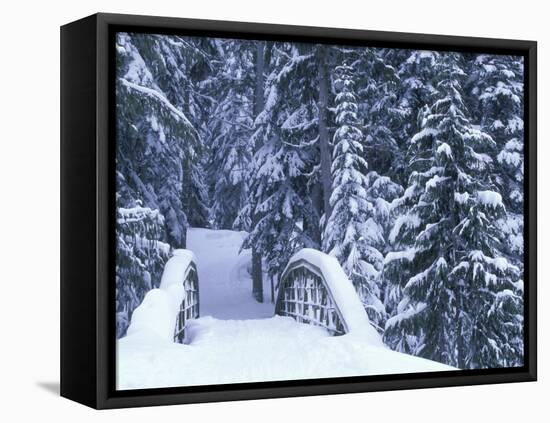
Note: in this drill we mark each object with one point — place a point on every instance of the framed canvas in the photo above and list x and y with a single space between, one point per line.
258 211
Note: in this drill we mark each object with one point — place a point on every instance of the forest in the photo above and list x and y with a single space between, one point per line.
405 165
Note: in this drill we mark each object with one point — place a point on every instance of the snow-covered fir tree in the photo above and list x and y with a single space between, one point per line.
298 87
141 256
497 92
382 191
278 172
377 85
498 89
229 134
158 171
152 130
458 273
417 73
351 233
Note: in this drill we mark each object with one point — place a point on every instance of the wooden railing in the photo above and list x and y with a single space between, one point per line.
189 308
305 296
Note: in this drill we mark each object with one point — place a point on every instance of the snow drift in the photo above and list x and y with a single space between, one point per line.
156 315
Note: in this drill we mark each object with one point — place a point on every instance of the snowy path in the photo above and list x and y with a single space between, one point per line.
224 281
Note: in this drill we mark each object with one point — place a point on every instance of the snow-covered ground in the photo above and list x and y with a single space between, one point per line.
278 348
237 339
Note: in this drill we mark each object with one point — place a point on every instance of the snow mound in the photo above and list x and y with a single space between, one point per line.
343 293
259 350
155 317
176 268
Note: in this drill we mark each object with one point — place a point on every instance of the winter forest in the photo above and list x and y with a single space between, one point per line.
404 165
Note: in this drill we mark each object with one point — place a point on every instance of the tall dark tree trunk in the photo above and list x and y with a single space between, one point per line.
324 145
314 229
257 273
186 182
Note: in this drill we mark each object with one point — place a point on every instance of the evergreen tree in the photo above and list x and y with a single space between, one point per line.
381 193
156 153
351 230
230 131
299 74
158 148
141 256
497 89
378 104
278 172
454 228
497 92
417 72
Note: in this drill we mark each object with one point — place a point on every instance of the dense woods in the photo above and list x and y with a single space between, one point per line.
405 165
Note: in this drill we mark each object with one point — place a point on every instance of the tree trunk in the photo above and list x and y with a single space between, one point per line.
259 87
257 276
324 145
257 273
272 290
186 184
314 228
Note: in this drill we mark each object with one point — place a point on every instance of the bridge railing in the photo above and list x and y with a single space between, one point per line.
180 277
305 296
166 311
314 289
189 307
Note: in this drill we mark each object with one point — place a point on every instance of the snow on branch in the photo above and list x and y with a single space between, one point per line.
158 96
490 199
408 255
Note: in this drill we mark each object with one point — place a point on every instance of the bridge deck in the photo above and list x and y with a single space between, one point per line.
236 339
233 351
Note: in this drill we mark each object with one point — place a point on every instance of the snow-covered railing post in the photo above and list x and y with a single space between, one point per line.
189 307
305 296
314 289
165 311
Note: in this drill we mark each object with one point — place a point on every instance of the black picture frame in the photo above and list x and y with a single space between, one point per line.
87 204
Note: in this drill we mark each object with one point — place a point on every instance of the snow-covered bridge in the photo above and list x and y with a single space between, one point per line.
239 340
